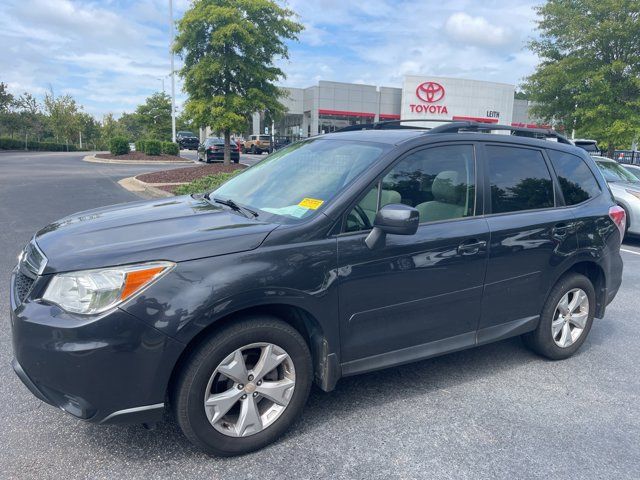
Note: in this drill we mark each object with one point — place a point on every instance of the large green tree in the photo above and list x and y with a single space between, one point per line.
229 48
63 113
154 116
589 75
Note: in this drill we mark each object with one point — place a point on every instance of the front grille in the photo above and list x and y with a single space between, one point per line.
31 264
22 285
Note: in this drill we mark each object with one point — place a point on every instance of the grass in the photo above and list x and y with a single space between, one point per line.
205 184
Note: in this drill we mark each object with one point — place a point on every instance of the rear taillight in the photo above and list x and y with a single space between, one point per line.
619 217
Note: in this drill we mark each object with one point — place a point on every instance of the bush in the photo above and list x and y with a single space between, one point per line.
171 148
119 146
11 144
140 146
206 184
153 147
16 144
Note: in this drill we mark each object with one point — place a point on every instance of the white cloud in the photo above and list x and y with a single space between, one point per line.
111 54
476 31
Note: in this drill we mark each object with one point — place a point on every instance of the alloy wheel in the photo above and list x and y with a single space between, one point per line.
250 389
570 317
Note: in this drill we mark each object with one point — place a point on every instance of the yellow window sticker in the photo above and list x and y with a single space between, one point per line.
311 203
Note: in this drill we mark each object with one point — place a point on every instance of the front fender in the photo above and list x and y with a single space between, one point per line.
198 293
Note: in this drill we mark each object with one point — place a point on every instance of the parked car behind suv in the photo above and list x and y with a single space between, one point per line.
590 146
626 191
338 255
187 140
212 150
257 144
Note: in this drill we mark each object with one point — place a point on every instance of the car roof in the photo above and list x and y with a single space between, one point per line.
402 135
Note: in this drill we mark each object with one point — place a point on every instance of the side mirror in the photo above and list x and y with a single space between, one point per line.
396 219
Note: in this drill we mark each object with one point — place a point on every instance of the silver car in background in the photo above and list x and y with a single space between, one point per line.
633 170
625 188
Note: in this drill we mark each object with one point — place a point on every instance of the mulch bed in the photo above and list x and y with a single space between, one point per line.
141 156
188 174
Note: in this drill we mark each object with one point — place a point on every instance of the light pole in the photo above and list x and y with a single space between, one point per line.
173 76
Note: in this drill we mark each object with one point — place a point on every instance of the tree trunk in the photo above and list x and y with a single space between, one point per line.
227 147
611 150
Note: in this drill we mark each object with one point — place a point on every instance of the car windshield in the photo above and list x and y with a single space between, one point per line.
635 171
186 134
614 172
298 181
588 146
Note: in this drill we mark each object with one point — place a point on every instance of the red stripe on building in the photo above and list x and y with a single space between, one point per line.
530 125
389 116
346 113
476 119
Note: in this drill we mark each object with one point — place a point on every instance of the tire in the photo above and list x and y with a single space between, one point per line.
253 149
541 340
200 375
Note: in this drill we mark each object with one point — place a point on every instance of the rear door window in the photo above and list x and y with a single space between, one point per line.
519 179
574 176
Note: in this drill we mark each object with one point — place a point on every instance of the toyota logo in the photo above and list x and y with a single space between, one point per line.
430 92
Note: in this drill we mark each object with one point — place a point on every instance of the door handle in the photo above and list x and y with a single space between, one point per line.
471 247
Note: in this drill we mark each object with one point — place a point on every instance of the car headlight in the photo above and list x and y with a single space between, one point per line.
90 292
635 193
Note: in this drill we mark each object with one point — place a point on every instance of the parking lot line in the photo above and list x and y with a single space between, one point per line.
629 251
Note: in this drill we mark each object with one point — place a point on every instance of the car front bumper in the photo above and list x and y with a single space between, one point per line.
108 369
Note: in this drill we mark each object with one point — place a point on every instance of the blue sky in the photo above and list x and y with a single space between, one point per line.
110 55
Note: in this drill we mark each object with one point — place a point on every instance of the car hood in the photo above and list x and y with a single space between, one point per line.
176 229
625 186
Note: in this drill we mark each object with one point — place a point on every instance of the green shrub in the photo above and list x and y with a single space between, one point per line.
206 184
171 148
119 146
140 146
153 147
17 144
11 144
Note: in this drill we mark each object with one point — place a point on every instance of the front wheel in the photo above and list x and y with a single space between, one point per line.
243 387
566 318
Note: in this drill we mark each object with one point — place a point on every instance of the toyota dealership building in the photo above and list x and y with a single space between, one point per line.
329 106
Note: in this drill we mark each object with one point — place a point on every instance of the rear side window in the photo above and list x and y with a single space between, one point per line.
576 179
519 179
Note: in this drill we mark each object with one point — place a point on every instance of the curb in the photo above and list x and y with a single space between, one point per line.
144 189
94 159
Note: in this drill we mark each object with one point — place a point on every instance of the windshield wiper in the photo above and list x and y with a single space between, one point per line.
247 212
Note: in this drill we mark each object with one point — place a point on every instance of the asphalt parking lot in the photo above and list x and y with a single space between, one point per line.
496 411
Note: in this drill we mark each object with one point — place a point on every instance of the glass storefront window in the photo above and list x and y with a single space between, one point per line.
331 123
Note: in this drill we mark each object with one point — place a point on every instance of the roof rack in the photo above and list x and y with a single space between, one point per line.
471 126
456 126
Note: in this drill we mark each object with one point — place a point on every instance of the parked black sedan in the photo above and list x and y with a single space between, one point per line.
187 140
212 150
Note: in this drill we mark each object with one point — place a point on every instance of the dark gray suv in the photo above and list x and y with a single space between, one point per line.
337 255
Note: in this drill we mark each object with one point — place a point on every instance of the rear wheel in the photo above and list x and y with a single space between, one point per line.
243 387
566 318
